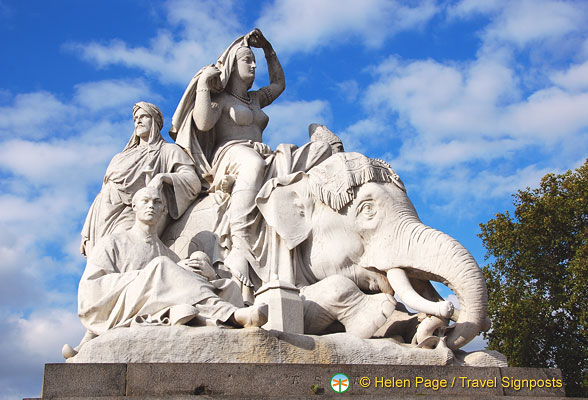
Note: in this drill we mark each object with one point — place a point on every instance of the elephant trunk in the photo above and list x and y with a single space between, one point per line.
434 255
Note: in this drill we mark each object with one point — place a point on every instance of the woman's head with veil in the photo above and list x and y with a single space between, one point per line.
244 67
238 61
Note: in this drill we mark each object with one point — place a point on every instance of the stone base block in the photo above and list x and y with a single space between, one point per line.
182 362
286 311
184 381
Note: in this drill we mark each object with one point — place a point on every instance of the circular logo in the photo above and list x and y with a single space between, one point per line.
340 383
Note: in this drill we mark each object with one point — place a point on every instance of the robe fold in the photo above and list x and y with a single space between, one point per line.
130 278
130 171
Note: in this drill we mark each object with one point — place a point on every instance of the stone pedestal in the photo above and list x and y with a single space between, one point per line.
286 311
182 362
184 381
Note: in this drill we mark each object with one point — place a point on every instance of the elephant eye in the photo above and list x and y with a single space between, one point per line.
368 209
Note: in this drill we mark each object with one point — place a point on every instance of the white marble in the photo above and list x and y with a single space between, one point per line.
285 307
132 278
182 344
324 237
147 159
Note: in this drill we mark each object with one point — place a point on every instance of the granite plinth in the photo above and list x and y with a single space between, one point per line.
187 380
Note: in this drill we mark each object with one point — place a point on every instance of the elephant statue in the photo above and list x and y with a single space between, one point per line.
350 216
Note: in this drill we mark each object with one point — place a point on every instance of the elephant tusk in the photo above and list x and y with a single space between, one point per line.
455 315
427 328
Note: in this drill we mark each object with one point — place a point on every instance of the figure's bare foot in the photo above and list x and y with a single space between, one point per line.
369 315
254 316
238 266
446 309
67 351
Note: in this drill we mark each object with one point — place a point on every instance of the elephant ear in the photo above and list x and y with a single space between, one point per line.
287 207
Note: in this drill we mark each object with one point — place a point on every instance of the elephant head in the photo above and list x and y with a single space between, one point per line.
351 215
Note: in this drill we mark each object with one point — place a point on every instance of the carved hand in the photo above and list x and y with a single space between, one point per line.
200 267
262 148
209 73
256 39
227 183
158 181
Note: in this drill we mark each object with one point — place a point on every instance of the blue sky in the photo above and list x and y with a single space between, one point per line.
467 100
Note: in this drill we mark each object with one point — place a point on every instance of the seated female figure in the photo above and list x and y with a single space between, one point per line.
220 120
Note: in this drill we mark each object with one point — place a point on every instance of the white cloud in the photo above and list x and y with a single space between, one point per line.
574 79
211 20
60 163
33 115
364 133
462 191
527 21
305 25
489 184
444 101
198 32
111 94
40 115
289 121
467 8
518 119
349 89
46 189
30 342
549 115
44 332
524 23
463 112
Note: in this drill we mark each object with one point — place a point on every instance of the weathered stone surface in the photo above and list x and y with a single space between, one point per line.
184 344
481 358
520 381
215 380
60 380
286 312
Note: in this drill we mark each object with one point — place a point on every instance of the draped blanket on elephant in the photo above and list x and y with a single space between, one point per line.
281 163
333 183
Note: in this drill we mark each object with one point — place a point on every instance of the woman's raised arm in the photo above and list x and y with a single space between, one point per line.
276 73
206 112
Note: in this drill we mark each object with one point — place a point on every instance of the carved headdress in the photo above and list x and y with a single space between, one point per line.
320 133
155 133
333 180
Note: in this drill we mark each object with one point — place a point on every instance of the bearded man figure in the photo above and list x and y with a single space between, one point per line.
147 160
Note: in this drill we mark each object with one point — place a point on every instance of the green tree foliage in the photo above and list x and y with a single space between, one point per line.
538 278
